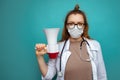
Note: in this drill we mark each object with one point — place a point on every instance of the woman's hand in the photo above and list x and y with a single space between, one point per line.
41 49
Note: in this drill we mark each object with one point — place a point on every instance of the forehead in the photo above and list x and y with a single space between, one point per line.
75 18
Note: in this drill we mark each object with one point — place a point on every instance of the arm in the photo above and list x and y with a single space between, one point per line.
48 70
42 65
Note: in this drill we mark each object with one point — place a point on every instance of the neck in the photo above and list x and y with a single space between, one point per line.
75 39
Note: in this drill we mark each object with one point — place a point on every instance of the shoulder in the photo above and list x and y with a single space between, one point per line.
61 43
94 43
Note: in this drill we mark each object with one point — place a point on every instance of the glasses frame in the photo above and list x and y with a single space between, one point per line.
72 24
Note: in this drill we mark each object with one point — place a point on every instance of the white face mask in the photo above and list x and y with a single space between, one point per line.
75 32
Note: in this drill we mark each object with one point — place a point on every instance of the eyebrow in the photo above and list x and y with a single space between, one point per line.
74 22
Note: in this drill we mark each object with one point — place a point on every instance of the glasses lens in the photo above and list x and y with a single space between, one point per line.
70 25
80 27
80 24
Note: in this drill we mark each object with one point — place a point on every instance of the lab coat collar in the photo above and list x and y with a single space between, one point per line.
92 44
90 41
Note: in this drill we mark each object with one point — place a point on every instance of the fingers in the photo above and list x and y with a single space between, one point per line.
40 53
40 46
40 49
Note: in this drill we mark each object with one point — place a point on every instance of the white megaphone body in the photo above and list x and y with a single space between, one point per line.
52 47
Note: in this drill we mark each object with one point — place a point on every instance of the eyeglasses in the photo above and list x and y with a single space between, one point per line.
72 25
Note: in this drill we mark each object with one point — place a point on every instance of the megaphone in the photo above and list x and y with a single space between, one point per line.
52 47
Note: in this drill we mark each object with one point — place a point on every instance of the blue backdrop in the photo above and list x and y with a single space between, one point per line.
22 23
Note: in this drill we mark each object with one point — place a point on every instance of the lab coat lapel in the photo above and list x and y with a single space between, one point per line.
65 56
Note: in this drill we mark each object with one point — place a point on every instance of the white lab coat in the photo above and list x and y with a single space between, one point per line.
95 54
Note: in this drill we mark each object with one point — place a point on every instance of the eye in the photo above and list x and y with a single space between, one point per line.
79 27
70 25
80 24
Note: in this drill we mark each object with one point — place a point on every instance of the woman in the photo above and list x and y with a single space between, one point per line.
80 57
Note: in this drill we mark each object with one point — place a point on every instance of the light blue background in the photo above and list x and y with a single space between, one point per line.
22 23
